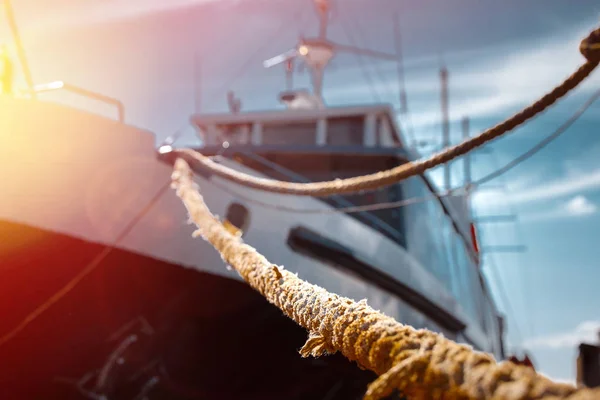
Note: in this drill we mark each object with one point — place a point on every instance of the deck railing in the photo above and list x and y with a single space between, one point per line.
60 85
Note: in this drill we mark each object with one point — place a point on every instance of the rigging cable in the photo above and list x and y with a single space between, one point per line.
170 140
498 282
362 64
363 38
543 143
417 363
589 47
546 141
90 267
403 109
526 277
298 15
503 295
401 203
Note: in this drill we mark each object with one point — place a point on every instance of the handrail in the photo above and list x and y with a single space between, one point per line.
60 85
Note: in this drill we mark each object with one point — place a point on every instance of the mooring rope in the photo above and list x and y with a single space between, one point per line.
469 187
419 363
589 48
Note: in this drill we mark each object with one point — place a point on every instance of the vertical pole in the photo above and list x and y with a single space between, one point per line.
197 83
317 78
289 74
445 123
400 66
323 9
323 26
401 83
12 23
289 81
467 157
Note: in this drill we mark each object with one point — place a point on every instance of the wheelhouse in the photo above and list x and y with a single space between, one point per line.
365 127
342 142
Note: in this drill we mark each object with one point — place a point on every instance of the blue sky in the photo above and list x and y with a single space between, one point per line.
501 56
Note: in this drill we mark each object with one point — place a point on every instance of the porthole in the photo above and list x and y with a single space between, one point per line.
239 216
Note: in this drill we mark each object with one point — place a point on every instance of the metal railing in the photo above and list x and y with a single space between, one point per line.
60 85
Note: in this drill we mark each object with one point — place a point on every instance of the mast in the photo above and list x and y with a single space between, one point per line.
400 66
317 82
317 52
467 157
12 23
197 83
318 70
445 122
408 128
289 74
323 9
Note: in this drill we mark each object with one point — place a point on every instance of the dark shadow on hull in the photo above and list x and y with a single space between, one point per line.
136 323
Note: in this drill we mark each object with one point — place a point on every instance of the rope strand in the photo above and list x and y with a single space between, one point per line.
414 200
420 363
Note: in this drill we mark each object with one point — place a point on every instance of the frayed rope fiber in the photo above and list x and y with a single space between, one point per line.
419 363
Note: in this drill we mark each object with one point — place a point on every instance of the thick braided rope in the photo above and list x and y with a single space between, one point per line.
589 47
420 363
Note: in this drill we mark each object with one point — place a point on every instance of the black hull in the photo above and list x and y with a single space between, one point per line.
197 335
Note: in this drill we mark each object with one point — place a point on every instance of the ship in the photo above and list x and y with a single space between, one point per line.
105 294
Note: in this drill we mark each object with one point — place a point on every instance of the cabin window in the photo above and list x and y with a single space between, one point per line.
345 131
424 238
451 270
387 136
491 323
433 240
239 134
288 133
470 298
322 167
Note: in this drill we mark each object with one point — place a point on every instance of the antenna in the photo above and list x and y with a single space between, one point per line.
400 70
323 9
467 157
289 74
197 83
445 122
318 52
234 103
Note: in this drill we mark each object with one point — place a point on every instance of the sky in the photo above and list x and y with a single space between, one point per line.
501 56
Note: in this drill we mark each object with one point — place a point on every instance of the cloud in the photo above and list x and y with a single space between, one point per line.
579 205
530 191
566 186
504 81
561 187
586 332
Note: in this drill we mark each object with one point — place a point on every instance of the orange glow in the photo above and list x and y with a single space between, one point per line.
70 171
11 243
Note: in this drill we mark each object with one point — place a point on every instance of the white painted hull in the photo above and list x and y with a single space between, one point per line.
85 176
